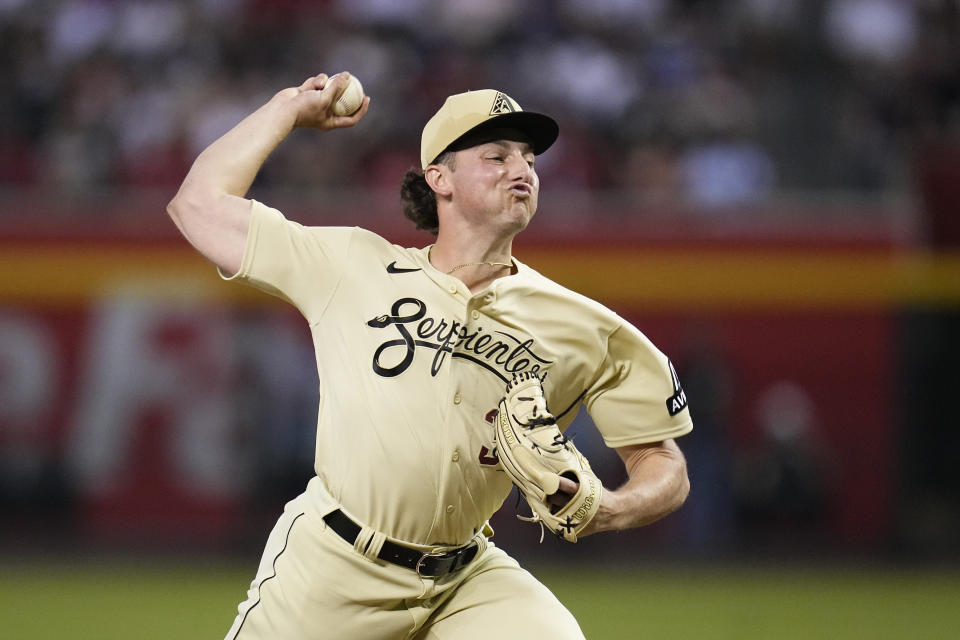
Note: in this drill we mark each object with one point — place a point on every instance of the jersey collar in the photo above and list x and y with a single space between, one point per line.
422 259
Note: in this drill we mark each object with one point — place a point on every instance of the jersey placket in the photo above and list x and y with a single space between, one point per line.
452 397
457 503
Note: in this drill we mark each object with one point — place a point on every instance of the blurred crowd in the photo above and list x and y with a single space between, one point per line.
715 103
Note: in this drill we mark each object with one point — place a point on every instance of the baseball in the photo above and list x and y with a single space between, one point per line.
350 99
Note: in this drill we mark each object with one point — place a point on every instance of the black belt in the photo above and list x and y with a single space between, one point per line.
428 565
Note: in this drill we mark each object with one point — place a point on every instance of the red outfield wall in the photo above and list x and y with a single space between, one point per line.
154 389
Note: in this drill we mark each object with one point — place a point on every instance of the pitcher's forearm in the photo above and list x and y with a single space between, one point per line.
230 165
657 486
210 208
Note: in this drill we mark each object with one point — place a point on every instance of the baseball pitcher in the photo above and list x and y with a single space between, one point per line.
448 374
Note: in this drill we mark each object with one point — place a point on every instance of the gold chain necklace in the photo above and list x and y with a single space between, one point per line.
475 264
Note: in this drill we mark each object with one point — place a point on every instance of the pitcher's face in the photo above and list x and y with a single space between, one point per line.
495 183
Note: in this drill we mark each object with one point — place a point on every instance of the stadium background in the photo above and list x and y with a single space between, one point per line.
767 188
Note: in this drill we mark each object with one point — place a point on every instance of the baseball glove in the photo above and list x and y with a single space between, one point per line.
535 454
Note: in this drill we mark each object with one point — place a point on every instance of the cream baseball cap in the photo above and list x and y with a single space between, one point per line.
474 111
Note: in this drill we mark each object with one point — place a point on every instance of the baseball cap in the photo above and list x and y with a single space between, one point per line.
474 111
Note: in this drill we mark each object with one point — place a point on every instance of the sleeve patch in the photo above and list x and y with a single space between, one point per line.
678 401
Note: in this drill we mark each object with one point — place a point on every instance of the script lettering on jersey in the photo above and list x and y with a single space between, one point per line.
497 351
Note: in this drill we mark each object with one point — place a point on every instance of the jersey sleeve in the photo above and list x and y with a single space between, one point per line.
302 265
637 397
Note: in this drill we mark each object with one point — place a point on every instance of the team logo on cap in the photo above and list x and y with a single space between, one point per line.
501 104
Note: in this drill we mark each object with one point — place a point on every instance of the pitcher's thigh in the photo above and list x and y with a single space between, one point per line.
501 601
312 585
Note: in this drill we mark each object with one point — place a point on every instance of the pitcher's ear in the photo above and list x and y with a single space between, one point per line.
437 176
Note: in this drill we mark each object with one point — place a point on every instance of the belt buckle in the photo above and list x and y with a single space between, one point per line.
439 553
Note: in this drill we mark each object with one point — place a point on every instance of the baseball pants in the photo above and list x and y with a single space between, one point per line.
313 585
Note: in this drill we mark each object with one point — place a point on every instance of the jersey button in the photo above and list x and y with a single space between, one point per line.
457 398
475 314
451 508
456 456
452 288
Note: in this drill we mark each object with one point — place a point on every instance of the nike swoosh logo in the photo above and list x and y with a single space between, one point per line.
393 268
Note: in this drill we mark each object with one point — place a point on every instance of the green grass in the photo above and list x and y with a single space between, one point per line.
154 601
106 603
783 604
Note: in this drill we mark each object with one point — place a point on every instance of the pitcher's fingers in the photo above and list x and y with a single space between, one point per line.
314 83
338 81
568 486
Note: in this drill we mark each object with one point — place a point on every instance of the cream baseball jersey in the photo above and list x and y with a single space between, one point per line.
412 366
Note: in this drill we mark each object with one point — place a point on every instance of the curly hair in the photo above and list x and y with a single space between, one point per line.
419 200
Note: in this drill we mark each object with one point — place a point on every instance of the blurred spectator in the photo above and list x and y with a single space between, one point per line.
592 79
722 165
724 173
651 175
616 14
881 31
771 15
383 13
77 28
783 482
754 95
475 23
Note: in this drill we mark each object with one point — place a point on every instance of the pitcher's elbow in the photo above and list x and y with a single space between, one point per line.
173 209
179 205
185 209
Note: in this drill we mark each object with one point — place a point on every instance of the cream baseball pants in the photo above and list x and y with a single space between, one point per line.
313 585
